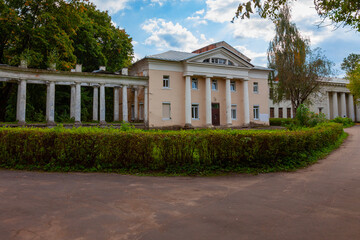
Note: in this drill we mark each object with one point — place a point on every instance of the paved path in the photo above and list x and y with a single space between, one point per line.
320 202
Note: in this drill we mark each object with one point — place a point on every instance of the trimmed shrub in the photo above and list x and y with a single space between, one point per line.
346 122
189 151
280 121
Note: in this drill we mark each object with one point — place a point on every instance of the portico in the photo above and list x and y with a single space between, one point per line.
76 80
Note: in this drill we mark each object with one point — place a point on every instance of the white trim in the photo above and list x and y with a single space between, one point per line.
198 111
258 112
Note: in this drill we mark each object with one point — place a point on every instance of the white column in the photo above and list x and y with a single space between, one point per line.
228 102
72 100
116 104
136 114
125 104
343 105
208 101
50 103
246 102
328 105
102 104
77 103
357 114
187 101
335 105
95 103
146 102
21 102
351 107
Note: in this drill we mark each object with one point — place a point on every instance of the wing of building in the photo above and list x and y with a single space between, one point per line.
212 86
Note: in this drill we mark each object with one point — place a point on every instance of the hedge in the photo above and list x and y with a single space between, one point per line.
280 121
172 151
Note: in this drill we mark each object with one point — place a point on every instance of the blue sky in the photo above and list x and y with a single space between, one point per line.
186 25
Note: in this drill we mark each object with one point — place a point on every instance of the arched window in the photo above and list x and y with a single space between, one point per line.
206 60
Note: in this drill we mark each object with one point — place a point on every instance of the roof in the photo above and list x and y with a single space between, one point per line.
172 56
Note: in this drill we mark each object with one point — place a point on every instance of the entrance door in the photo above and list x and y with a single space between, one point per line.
215 114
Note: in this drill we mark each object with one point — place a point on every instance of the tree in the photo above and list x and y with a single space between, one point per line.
298 69
339 12
350 62
354 81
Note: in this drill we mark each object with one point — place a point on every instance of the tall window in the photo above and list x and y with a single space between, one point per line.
233 86
280 113
166 111
272 112
166 81
195 111
141 111
256 112
214 85
233 112
194 83
320 109
256 87
132 112
288 113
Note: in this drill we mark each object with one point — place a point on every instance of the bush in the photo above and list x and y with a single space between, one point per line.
305 118
280 121
346 122
192 151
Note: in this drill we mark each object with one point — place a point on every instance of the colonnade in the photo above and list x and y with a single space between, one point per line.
75 102
343 109
208 101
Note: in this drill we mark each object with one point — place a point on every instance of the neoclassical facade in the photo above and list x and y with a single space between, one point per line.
334 100
212 86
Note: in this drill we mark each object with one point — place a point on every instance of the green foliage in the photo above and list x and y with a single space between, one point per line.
354 82
298 68
190 151
305 118
339 12
350 62
346 122
280 121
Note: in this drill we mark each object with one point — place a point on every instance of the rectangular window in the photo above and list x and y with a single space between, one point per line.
195 111
233 112
256 87
194 83
132 112
256 112
233 86
141 111
272 112
320 109
214 85
166 110
288 113
166 81
280 113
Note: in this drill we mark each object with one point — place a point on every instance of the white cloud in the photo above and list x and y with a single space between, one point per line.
167 35
200 12
160 2
252 28
113 6
249 53
221 10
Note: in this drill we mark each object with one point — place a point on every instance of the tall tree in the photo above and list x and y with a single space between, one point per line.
350 62
354 81
298 69
345 13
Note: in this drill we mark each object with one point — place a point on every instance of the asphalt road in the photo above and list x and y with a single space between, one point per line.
319 202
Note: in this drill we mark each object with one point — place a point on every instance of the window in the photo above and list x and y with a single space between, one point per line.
230 63
233 112
256 87
280 113
195 111
166 111
233 86
218 60
194 83
272 112
214 85
141 111
207 60
132 112
320 109
166 81
256 112
288 113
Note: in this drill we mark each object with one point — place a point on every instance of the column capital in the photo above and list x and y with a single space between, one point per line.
209 76
102 84
245 79
95 85
229 77
124 85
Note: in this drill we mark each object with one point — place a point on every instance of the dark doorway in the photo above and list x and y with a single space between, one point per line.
215 114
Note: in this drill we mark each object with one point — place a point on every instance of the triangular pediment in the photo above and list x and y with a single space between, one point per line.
220 56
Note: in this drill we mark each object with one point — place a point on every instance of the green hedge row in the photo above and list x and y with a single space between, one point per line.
280 121
172 151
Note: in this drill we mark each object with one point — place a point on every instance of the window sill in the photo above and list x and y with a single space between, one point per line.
195 119
166 119
166 88
195 89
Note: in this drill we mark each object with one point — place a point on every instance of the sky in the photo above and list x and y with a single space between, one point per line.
156 26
